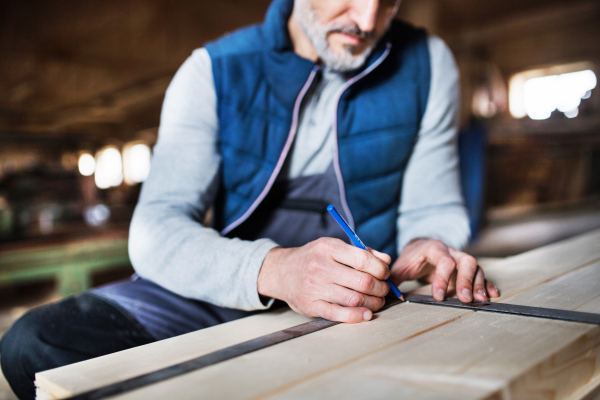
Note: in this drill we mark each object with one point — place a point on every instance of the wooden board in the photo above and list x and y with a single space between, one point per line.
484 355
411 350
83 376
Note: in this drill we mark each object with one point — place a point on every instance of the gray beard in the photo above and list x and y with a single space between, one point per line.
317 34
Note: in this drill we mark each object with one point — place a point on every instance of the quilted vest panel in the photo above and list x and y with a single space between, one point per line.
259 80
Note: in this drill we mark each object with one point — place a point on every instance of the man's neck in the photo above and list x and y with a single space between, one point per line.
302 45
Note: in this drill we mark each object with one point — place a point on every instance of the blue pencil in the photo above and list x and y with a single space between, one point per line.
358 243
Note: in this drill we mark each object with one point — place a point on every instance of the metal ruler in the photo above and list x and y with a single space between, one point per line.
512 309
317 325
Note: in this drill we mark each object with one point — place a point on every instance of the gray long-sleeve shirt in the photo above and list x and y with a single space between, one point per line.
169 245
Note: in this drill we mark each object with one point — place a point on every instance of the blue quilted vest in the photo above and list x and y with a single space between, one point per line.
260 83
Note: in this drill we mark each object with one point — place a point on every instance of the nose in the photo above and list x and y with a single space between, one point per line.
365 14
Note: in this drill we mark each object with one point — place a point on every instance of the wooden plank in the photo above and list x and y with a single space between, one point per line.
475 356
518 273
87 375
501 356
289 364
303 357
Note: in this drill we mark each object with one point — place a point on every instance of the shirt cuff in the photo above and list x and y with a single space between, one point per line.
255 261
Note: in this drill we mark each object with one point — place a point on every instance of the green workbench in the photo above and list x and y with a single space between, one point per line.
70 263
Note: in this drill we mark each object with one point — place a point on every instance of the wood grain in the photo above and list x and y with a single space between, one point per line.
91 374
475 356
495 356
411 350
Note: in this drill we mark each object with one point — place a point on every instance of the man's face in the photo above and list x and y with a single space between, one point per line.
344 32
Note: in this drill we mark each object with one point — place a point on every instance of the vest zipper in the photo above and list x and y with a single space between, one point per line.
336 153
282 157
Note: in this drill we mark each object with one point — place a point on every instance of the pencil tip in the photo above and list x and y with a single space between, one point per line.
402 297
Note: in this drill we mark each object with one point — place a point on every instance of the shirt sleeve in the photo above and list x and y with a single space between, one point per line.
431 204
167 242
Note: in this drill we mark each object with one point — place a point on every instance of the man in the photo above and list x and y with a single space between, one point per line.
327 102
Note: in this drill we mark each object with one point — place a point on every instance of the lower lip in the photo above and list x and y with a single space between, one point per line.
353 40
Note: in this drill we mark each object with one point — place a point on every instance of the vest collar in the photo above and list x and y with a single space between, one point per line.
285 71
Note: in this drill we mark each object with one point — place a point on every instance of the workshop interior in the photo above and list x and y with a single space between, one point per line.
83 83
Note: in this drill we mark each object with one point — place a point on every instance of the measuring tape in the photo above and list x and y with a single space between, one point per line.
317 325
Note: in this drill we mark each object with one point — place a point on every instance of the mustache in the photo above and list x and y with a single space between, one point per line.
351 29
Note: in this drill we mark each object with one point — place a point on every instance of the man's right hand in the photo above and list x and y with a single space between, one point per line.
327 278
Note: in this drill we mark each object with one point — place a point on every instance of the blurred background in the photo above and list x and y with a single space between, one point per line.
82 84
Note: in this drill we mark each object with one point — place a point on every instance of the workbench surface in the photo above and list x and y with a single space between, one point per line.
410 351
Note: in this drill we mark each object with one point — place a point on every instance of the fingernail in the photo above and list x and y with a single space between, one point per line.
367 315
439 294
482 292
467 294
495 288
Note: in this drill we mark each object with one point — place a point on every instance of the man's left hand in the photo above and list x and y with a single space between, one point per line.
434 262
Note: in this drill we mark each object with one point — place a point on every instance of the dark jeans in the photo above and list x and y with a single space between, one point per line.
84 327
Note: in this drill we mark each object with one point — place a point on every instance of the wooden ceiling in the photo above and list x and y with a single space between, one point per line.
95 67
98 69
462 14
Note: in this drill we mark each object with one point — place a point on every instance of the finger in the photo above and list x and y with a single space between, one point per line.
350 298
359 281
444 267
479 291
492 290
452 281
334 312
387 260
362 260
467 267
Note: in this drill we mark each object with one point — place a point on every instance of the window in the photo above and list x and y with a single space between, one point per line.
538 93
87 164
136 162
109 168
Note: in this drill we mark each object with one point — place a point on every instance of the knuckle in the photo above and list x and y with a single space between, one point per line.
361 259
310 285
364 282
465 283
441 280
354 300
326 243
384 272
471 261
304 304
314 266
438 243
327 312
448 261
384 289
321 243
463 279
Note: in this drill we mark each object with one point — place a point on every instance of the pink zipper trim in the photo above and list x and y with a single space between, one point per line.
279 164
336 153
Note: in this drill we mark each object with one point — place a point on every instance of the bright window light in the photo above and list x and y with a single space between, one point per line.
539 93
87 164
136 162
109 168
